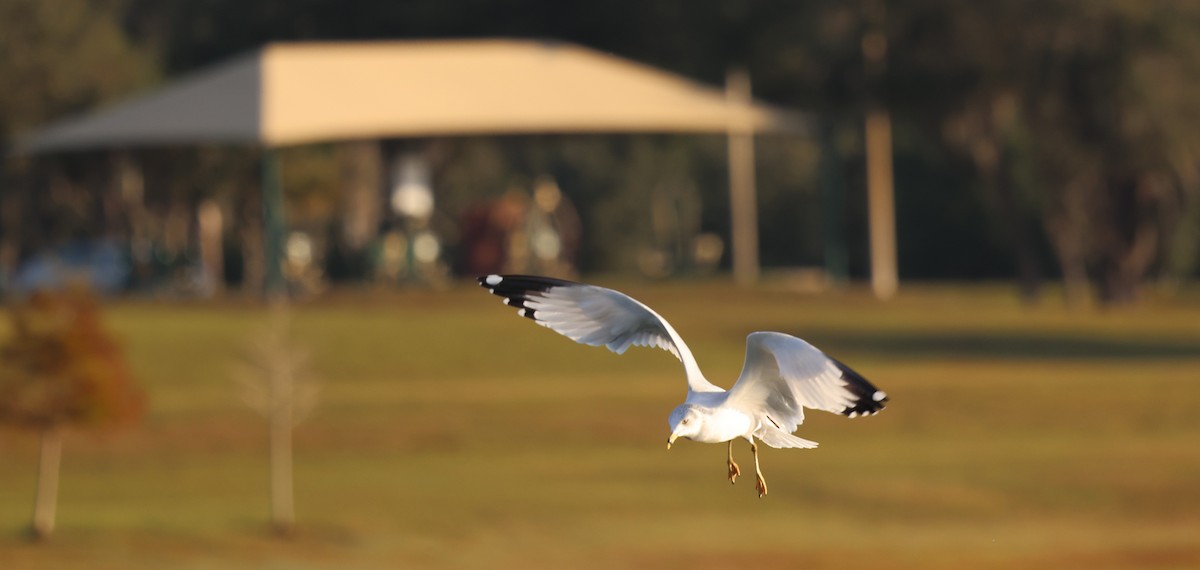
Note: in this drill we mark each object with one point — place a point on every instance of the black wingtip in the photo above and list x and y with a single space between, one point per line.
516 289
521 285
525 282
868 400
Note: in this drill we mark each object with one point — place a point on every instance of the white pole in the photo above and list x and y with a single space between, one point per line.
743 203
881 207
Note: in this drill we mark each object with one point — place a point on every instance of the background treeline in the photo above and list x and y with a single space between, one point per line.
1034 140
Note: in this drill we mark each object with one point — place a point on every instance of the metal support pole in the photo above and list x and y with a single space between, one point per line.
273 226
743 203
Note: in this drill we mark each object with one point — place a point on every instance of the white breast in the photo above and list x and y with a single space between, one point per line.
723 425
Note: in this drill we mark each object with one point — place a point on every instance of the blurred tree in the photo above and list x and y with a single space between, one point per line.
61 368
59 57
1075 117
276 381
63 56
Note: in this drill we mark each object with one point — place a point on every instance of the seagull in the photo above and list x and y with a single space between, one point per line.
781 376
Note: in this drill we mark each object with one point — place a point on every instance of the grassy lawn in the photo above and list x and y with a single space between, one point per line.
452 434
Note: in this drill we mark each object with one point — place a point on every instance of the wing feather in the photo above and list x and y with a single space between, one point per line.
594 316
783 375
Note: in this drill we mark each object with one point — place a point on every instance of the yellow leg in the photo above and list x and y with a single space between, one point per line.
734 470
759 483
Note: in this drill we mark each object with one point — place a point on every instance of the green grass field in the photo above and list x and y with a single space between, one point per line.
452 434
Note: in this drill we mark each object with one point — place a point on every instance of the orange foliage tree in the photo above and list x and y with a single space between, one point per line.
61 368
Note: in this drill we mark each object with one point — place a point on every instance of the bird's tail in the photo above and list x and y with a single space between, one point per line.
778 438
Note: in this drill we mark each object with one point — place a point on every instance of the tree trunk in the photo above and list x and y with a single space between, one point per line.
1068 232
1142 213
283 513
46 501
1017 225
1182 250
1071 261
282 391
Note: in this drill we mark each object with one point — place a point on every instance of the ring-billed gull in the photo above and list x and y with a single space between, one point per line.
782 374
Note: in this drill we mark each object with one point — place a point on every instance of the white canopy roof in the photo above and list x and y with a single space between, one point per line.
286 94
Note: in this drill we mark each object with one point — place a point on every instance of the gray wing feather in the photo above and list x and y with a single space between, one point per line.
595 316
783 375
599 317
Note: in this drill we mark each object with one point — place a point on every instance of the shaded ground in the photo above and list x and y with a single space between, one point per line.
452 434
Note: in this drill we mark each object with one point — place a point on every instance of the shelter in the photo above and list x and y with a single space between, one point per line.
291 94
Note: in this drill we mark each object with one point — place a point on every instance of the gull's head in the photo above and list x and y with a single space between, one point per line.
685 421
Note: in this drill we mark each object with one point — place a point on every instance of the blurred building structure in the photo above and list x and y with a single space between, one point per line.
304 93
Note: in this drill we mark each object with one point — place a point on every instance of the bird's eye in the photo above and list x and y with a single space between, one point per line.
685 421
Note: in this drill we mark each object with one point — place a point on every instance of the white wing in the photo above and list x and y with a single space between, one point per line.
594 316
783 375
